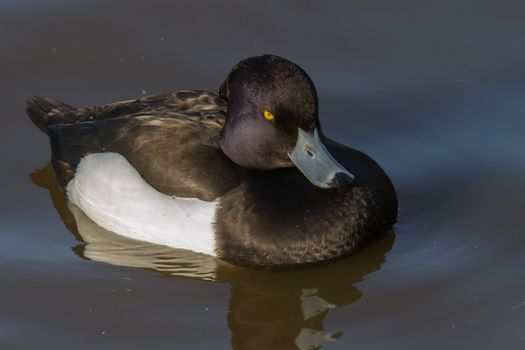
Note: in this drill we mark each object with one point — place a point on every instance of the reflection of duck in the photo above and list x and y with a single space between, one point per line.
280 309
267 309
184 170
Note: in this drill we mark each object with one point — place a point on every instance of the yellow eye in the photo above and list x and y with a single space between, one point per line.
269 116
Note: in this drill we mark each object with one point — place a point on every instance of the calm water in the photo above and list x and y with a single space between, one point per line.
434 91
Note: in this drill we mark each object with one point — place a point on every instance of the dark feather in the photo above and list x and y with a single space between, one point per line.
171 139
40 109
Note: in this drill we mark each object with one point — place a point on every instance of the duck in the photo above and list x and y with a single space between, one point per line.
244 173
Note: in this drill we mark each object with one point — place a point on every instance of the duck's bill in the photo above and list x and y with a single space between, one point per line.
316 163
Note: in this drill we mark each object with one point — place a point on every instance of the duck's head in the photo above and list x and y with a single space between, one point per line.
272 121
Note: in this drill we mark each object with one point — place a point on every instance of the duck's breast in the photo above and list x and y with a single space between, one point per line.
114 195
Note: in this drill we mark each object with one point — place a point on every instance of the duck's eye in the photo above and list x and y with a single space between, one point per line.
268 116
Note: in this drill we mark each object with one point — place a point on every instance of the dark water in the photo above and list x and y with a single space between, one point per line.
434 91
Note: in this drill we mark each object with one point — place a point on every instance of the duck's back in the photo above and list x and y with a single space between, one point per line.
171 140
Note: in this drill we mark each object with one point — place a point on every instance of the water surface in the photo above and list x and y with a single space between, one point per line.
434 91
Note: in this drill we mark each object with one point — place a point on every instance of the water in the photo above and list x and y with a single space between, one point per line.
434 91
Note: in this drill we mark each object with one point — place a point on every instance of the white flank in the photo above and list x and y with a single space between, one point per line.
113 194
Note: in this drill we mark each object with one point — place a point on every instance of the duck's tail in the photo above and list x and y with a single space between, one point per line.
40 109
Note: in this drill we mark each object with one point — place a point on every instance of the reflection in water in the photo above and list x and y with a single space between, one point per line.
279 309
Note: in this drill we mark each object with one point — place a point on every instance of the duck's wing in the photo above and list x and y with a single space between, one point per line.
171 140
194 103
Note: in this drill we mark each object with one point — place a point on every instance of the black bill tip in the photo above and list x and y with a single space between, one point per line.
342 180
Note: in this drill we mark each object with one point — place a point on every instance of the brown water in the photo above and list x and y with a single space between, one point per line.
434 91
